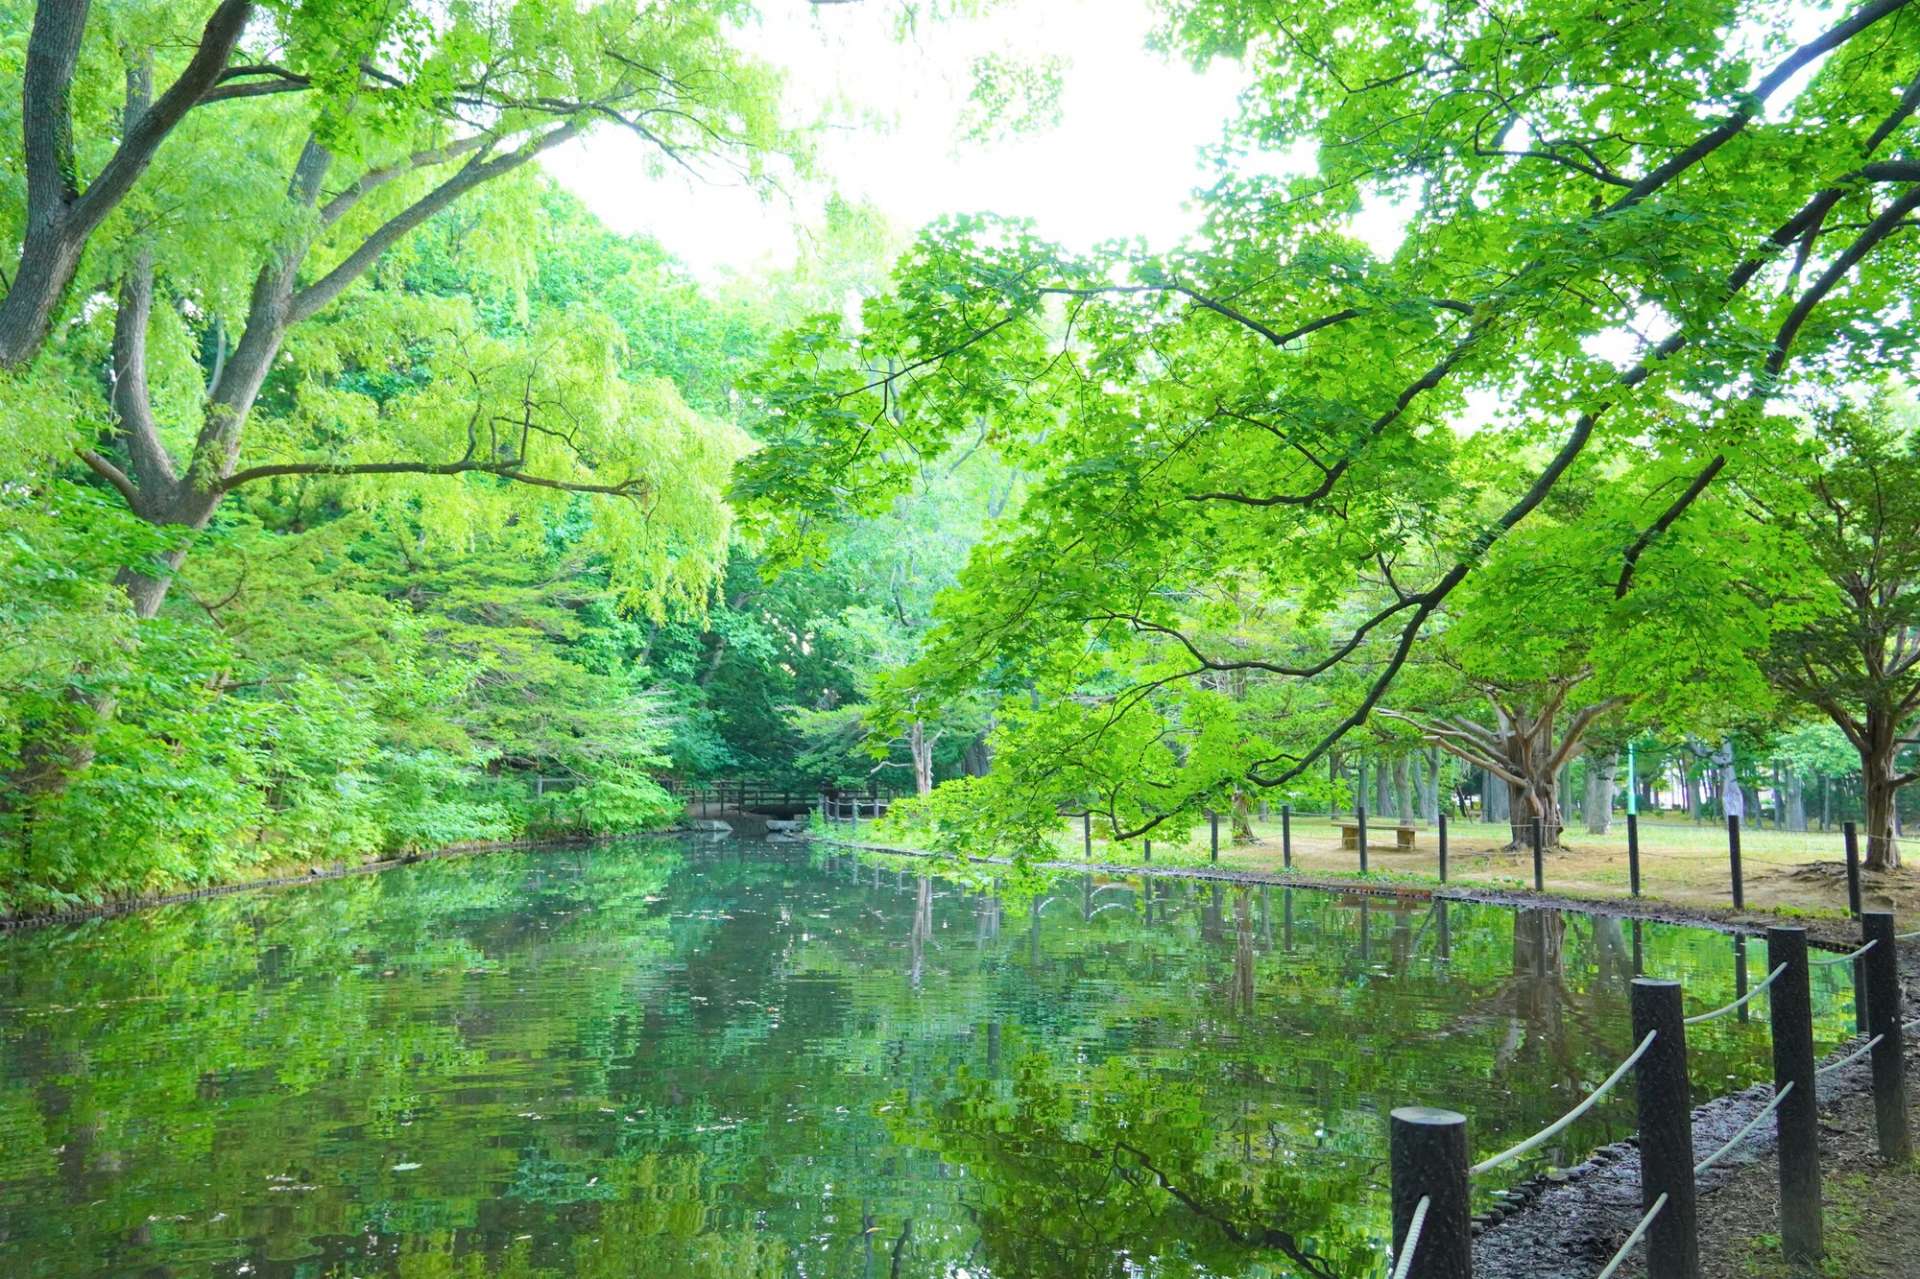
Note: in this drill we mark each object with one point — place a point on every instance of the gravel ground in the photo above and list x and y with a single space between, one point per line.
1569 1227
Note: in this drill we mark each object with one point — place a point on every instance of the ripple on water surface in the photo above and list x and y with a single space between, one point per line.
736 1059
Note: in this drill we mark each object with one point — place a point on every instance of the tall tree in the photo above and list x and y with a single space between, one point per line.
1606 220
247 349
1848 643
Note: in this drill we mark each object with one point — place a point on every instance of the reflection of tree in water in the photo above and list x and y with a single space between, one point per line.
1242 993
922 930
1113 1173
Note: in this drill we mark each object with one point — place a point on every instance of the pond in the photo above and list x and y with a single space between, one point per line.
677 1058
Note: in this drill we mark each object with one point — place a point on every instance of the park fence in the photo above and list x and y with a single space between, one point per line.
1537 842
1432 1178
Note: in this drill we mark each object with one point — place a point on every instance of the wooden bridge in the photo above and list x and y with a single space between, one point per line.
715 798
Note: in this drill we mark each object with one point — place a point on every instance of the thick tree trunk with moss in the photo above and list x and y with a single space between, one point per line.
1242 819
1879 747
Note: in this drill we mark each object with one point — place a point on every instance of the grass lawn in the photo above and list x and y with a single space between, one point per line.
1680 862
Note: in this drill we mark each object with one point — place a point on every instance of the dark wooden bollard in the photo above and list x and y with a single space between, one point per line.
1286 836
1443 847
1883 1019
1733 862
1429 1161
1666 1130
1213 823
1797 1119
1086 833
1633 853
1539 856
1360 821
1850 835
1148 855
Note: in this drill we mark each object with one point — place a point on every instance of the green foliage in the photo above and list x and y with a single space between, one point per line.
1263 467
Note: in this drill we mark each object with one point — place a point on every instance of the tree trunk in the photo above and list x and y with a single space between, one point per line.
1795 801
1402 790
1493 798
978 759
1524 803
1601 772
922 751
1879 747
1242 821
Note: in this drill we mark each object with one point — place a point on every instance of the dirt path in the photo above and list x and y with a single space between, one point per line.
1871 1209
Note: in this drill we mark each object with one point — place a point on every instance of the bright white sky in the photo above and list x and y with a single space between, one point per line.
1122 160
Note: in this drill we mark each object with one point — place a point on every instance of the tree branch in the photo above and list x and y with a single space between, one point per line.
143 138
472 174
1665 522
112 475
634 488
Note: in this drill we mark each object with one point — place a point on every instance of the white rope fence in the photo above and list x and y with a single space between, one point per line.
1744 999
1412 1242
1546 1134
1847 958
1639 1232
1851 1058
1741 1136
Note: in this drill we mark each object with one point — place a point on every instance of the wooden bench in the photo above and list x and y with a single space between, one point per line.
1403 835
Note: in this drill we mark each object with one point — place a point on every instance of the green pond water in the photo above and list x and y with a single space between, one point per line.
671 1058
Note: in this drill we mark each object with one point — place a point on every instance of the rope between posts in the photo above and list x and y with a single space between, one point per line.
1849 1060
1639 1231
1540 1138
1843 959
1907 936
1741 1136
1412 1241
1722 1012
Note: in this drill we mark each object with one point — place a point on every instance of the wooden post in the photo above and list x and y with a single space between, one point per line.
1213 823
1428 1157
1666 1130
1798 1118
1883 1019
1443 847
1286 836
1633 852
1537 831
1086 831
1850 833
1733 862
1360 816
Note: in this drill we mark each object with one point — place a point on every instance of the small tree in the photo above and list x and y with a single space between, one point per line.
1847 632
